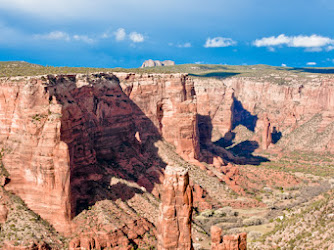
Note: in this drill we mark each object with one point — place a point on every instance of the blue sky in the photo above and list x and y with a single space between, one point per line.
124 33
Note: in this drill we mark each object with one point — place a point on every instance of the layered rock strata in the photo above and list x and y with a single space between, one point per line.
169 101
174 225
154 63
295 107
65 137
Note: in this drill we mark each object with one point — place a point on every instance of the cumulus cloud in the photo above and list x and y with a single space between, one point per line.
136 37
283 65
184 45
313 43
120 34
218 42
311 63
271 41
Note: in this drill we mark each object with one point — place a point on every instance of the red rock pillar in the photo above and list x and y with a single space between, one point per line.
216 238
228 242
266 136
174 225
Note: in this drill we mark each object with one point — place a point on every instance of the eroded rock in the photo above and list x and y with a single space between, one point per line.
174 225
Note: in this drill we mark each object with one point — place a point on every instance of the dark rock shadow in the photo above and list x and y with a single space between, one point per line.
275 135
312 70
218 75
241 153
108 136
241 116
226 141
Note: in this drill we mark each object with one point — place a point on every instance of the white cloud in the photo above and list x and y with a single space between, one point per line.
120 34
313 43
330 48
283 65
136 37
63 36
83 38
184 45
311 63
271 41
54 35
217 42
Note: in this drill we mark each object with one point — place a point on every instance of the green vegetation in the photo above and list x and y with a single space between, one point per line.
304 162
279 75
24 226
3 170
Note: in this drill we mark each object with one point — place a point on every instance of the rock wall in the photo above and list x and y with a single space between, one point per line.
174 225
300 111
169 101
34 155
65 137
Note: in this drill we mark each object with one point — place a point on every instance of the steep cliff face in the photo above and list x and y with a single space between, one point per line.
300 111
174 225
34 155
65 137
169 101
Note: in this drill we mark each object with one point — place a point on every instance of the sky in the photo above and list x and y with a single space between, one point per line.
124 33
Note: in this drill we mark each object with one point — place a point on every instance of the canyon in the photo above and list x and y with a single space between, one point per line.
140 160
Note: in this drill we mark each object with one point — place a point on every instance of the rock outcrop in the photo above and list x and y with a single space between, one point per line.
267 133
122 238
174 225
227 242
34 155
65 137
154 63
169 101
295 108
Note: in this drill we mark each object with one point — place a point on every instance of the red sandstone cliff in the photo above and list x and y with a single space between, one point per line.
169 101
295 108
65 137
174 225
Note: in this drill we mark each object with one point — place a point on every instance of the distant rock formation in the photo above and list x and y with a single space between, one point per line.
267 133
227 242
174 226
154 63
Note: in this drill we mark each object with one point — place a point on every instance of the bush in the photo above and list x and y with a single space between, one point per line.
252 221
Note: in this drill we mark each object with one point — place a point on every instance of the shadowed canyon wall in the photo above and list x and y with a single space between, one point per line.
297 114
65 137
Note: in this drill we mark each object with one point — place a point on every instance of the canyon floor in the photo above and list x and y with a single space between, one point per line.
259 151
